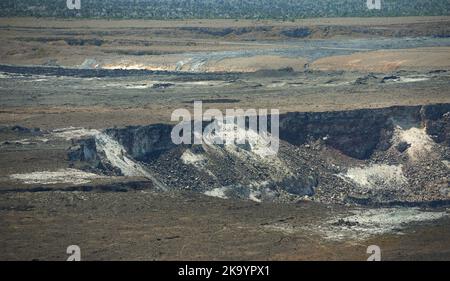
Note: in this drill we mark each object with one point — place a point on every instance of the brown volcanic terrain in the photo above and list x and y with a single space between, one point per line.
316 65
147 226
160 44
388 61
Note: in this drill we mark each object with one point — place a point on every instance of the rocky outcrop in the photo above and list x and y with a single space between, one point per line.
436 120
358 133
396 155
143 142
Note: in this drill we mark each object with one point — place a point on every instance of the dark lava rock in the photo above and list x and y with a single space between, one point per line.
437 71
402 146
301 32
342 222
366 79
20 129
162 85
300 186
390 78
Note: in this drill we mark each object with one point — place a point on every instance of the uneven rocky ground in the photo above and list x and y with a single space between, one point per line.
86 158
186 226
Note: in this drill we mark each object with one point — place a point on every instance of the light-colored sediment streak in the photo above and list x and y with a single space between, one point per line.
62 176
376 176
114 152
418 139
361 224
364 223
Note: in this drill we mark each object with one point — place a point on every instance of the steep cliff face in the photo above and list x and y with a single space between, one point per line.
359 133
371 156
143 142
436 120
